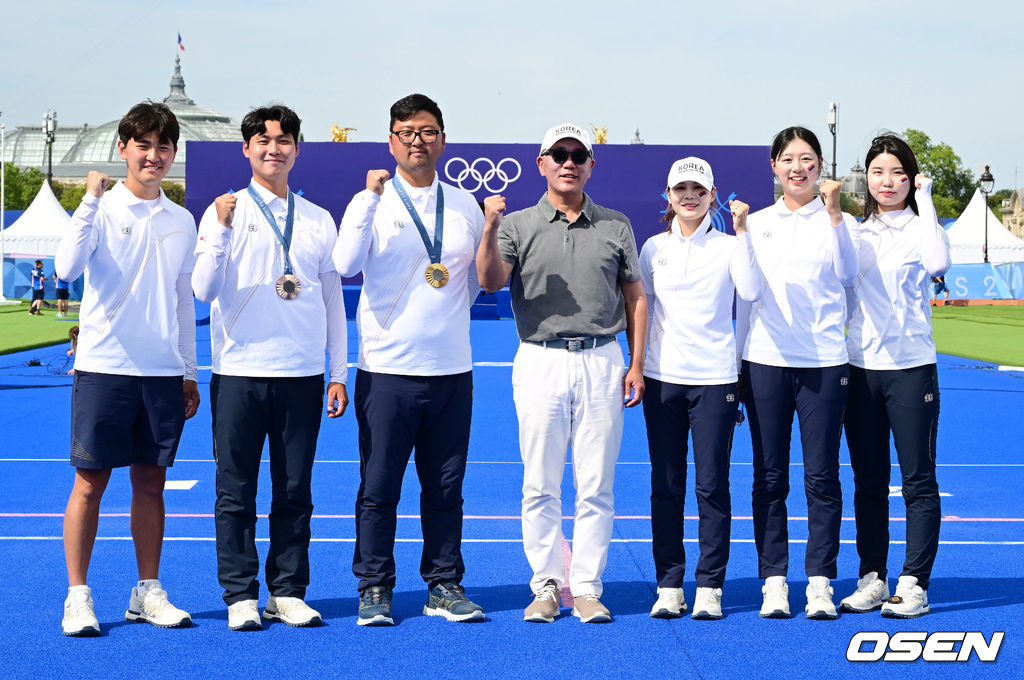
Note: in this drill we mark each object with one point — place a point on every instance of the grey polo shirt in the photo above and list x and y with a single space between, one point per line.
565 277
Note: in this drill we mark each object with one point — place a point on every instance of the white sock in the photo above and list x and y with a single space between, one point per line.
148 584
78 589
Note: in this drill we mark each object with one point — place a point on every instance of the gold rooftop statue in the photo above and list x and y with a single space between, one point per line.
340 134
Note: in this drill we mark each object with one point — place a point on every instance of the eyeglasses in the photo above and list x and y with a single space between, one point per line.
407 137
579 156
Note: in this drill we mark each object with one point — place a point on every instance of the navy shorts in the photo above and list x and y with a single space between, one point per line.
63 293
118 420
37 294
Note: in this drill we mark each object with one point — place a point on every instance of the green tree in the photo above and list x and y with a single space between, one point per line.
995 201
69 194
21 186
851 204
175 192
954 185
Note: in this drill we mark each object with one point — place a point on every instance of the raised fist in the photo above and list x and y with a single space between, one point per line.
225 205
96 183
829 190
494 210
739 211
375 180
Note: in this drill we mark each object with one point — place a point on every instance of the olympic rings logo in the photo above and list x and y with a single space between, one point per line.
492 171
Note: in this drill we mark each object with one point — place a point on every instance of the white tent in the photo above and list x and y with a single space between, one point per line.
967 236
39 230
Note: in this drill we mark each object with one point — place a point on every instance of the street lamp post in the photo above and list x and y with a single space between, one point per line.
50 129
986 185
3 200
833 115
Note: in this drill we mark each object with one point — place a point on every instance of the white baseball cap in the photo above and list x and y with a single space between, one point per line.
691 169
565 131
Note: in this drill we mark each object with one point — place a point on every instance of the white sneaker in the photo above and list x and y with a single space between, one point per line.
909 602
79 620
244 615
707 604
151 606
819 599
870 594
776 598
670 605
291 610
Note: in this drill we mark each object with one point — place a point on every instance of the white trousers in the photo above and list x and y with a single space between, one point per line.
568 400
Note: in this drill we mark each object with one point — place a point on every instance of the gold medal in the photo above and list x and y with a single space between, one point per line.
288 286
437 274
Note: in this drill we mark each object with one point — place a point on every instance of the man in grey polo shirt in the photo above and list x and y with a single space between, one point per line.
575 285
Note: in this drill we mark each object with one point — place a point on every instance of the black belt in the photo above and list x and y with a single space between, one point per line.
574 344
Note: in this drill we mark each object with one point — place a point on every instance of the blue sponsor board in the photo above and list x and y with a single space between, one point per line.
628 178
985 281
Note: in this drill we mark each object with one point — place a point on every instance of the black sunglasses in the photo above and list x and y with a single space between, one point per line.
579 156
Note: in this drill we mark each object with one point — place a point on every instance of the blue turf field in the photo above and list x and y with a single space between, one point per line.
978 582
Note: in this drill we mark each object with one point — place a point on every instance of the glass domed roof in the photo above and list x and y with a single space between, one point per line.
197 123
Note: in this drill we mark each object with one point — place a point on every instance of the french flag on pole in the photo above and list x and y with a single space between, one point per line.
180 45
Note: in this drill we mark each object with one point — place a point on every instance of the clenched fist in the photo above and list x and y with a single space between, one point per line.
494 210
375 180
739 211
96 183
225 205
829 190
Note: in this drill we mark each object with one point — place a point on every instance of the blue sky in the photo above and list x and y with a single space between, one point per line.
714 73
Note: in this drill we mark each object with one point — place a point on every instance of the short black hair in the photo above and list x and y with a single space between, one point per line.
891 144
147 117
407 107
255 122
786 136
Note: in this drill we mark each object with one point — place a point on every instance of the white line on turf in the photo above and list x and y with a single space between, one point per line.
180 484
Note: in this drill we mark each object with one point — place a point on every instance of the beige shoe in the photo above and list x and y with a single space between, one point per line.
670 605
151 606
544 607
244 615
590 610
292 611
79 619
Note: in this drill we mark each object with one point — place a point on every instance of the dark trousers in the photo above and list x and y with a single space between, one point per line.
246 411
906 403
672 413
396 414
818 396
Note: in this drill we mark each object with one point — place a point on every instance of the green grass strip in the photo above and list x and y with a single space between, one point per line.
20 330
994 334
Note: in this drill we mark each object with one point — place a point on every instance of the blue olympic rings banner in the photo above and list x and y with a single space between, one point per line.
628 178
